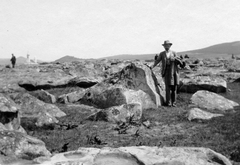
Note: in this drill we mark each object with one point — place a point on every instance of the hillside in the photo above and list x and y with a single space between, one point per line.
67 59
224 48
218 50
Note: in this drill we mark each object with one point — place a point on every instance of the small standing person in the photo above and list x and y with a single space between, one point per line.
13 60
170 72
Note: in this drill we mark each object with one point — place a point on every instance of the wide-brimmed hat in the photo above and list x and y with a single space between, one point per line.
167 42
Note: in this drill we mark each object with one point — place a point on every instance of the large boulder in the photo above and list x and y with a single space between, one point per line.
196 83
31 107
127 113
196 113
108 96
46 79
17 144
135 82
140 156
87 72
212 101
9 114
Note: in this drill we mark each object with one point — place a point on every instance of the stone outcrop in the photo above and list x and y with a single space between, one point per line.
133 84
126 113
31 107
196 83
212 101
9 114
196 113
105 97
19 145
140 156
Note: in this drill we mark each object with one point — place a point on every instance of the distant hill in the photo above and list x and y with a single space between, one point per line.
131 57
67 59
218 50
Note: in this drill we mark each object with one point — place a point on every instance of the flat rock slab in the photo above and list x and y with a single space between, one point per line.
139 156
196 83
212 101
196 113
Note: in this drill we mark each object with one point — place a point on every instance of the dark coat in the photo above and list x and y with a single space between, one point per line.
169 72
13 59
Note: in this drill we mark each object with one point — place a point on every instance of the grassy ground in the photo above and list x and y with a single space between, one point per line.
168 127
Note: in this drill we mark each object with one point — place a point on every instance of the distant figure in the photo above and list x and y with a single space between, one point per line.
170 72
13 60
233 56
156 56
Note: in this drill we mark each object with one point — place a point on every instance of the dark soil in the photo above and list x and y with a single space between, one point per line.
168 127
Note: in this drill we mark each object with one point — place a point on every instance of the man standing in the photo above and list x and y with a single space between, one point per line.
13 60
170 72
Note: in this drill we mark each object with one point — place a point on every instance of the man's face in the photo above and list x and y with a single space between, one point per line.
167 46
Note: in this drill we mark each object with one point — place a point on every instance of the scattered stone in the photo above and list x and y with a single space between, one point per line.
31 107
45 119
212 101
9 114
147 123
21 145
196 83
196 113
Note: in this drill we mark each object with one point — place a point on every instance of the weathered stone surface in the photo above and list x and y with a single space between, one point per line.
21 145
196 83
133 84
9 116
71 97
7 104
46 96
34 108
196 113
212 101
124 113
31 106
140 156
45 119
105 97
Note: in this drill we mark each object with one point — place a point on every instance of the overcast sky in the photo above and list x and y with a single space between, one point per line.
51 29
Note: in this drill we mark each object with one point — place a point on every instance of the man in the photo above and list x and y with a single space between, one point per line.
13 60
170 72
